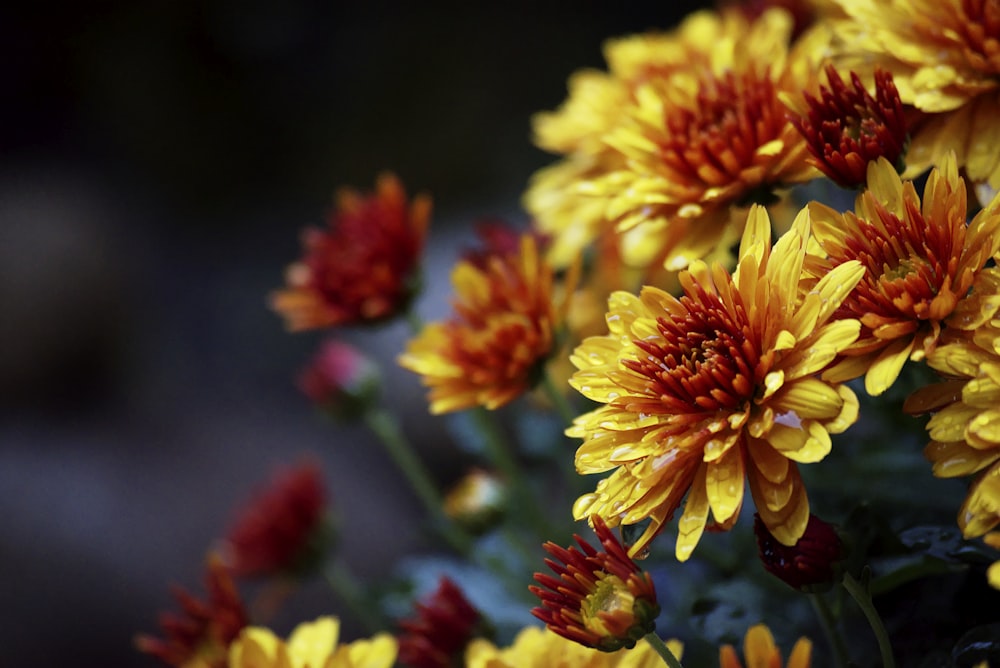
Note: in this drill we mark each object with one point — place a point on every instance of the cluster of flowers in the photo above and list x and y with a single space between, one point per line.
679 274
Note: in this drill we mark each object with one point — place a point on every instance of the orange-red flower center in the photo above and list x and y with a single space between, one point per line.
715 138
704 361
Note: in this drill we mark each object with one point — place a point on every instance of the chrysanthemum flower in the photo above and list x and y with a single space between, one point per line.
477 501
282 529
311 645
364 267
685 125
711 136
965 425
340 379
541 648
945 58
503 330
811 564
760 651
443 626
846 128
715 387
199 636
920 261
601 599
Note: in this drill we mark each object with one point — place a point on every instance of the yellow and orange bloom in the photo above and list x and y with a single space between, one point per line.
965 425
601 599
282 530
716 387
945 58
364 267
443 626
711 136
503 330
199 636
920 260
685 125
760 651
541 648
846 128
311 645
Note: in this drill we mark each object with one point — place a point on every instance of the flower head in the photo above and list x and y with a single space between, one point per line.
443 626
282 529
944 56
477 501
340 379
684 126
601 599
920 259
703 391
541 648
311 645
364 267
846 128
809 565
711 136
503 329
993 572
759 650
965 425
199 636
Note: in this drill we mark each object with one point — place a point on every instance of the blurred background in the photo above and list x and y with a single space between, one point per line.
158 161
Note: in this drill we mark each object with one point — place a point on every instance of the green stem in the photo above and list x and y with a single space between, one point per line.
863 598
829 624
501 456
385 426
664 651
558 399
346 586
414 320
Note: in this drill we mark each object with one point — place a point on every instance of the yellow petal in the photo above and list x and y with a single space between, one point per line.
724 484
692 522
885 369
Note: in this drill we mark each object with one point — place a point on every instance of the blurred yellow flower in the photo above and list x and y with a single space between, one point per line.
540 648
311 645
920 259
759 651
945 58
504 328
691 126
715 387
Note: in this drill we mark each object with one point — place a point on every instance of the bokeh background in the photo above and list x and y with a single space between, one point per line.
157 163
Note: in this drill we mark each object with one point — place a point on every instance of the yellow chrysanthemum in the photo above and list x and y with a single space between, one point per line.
945 58
504 327
759 651
920 259
534 647
711 135
965 425
684 125
719 385
311 645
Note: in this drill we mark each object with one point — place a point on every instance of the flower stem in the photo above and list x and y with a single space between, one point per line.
829 624
500 455
664 651
862 596
345 585
385 426
558 399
